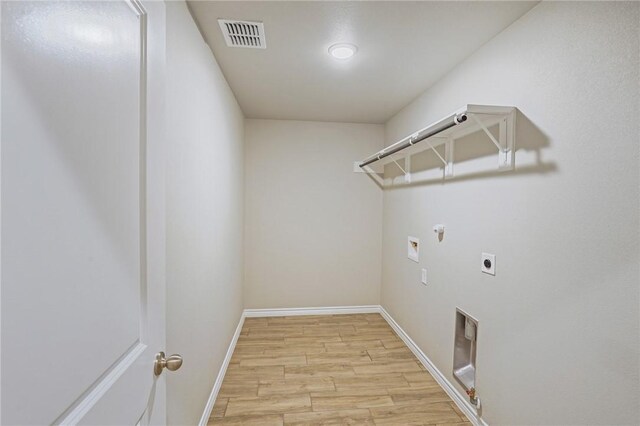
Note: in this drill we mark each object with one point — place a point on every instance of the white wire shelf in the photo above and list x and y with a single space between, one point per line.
460 123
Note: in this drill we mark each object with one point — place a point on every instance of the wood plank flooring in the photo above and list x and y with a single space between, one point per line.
329 369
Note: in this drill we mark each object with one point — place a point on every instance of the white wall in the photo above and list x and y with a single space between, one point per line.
312 226
558 324
204 215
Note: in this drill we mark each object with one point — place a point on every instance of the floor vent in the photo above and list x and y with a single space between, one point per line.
243 33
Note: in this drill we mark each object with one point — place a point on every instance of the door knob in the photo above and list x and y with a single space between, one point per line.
171 363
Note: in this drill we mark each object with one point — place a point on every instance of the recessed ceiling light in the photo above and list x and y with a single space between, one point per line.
343 50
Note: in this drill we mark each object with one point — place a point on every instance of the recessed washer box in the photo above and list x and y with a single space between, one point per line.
464 349
413 249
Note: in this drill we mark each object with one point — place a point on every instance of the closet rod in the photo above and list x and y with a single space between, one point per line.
457 119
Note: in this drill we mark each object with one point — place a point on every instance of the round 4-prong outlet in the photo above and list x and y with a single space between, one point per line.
488 265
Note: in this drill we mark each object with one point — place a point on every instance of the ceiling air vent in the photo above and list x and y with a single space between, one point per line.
243 33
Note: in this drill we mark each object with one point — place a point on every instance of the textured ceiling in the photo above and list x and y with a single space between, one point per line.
404 47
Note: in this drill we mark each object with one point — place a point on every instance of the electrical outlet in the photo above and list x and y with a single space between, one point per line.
488 265
424 276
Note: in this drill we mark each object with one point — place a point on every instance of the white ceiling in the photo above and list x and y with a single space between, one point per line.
404 47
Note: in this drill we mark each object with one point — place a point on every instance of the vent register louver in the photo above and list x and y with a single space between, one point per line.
243 33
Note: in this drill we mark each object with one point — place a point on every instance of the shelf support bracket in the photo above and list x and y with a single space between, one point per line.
506 131
448 156
437 153
483 127
506 139
407 166
399 166
368 170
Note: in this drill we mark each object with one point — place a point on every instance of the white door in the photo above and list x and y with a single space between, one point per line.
82 212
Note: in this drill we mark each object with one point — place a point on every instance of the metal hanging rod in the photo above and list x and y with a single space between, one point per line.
457 119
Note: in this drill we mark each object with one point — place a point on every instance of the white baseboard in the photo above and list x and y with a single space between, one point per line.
448 387
328 310
460 401
223 370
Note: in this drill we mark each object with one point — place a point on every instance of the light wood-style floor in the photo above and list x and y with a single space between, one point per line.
334 369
